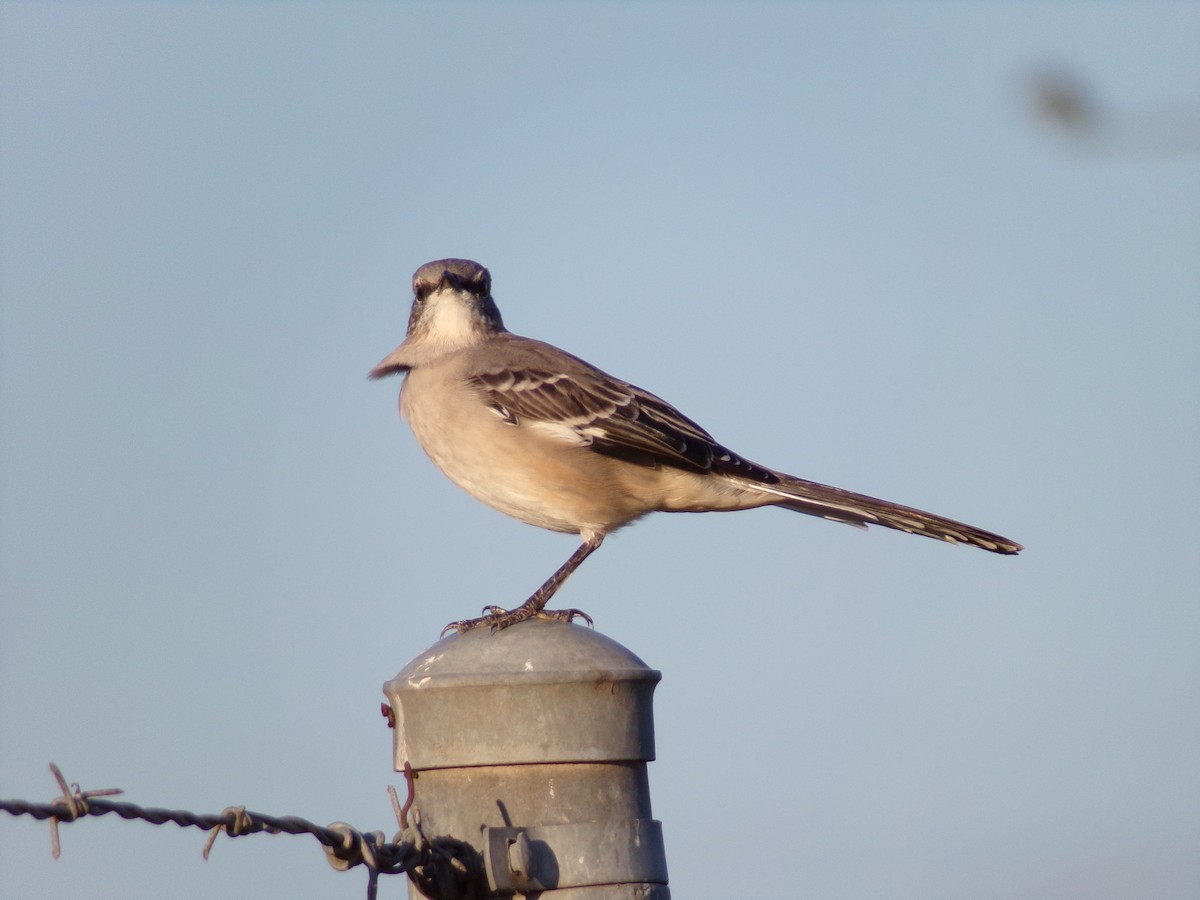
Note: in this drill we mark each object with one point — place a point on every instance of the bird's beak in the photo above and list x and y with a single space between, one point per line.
389 365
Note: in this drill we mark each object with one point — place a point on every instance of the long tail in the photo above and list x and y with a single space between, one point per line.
860 510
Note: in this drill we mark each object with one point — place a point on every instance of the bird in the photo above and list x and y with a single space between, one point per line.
551 440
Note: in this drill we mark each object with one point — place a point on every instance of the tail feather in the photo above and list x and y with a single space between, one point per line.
859 510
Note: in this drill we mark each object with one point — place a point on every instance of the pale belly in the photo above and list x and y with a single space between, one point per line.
536 480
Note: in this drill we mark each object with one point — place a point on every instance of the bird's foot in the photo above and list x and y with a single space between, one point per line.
497 618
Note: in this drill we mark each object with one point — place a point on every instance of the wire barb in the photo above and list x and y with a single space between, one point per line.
76 802
410 779
237 823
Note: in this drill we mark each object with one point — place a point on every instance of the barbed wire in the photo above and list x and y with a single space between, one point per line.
443 867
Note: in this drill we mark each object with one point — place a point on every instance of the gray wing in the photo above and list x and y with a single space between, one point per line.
611 416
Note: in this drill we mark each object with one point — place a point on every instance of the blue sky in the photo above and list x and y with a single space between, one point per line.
833 234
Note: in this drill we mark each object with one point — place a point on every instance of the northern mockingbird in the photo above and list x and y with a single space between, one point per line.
551 440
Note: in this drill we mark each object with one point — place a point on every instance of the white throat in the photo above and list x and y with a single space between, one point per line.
452 320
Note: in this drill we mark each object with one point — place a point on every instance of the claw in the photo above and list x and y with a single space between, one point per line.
566 615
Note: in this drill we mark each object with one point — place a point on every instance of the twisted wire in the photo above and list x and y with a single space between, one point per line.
442 861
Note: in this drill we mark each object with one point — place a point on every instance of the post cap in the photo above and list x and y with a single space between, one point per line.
537 692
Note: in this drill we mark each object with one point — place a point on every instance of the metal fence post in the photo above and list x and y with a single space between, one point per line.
531 744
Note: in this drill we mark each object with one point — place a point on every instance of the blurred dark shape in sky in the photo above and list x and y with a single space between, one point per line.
1066 102
1063 100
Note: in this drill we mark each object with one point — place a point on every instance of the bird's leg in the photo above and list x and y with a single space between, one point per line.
498 618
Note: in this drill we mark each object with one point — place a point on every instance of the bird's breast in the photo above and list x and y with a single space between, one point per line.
522 469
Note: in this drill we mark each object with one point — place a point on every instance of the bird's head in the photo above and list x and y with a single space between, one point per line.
452 309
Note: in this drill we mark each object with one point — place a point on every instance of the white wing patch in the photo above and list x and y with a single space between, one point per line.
561 431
